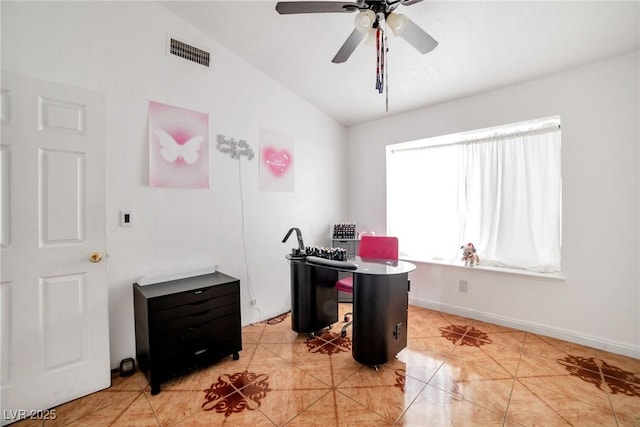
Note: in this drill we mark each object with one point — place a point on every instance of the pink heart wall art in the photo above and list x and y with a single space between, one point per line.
276 161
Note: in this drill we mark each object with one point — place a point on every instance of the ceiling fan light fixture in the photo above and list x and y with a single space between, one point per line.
397 22
371 38
364 20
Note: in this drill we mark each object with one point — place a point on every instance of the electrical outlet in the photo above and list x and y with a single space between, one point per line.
253 302
463 286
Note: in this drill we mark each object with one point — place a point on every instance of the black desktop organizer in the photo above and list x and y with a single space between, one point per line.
344 231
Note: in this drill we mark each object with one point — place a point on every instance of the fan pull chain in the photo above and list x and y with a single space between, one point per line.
386 72
382 80
380 61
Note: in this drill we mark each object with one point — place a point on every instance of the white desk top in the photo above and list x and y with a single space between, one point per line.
369 266
382 266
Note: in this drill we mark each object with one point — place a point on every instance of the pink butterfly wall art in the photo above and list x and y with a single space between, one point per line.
276 161
178 147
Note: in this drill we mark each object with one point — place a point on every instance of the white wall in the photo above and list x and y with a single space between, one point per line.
118 48
599 302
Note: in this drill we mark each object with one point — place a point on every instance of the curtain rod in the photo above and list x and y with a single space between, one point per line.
481 136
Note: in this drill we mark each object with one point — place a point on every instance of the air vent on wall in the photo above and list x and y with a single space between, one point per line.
188 52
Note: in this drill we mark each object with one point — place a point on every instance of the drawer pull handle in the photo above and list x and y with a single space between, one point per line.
198 292
199 352
199 313
195 327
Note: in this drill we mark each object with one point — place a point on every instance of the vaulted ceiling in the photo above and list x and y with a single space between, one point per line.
482 46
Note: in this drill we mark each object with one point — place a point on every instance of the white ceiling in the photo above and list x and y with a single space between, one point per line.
482 46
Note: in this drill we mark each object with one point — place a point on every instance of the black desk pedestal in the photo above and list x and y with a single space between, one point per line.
314 297
380 304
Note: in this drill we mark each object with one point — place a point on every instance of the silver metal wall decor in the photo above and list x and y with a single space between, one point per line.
235 148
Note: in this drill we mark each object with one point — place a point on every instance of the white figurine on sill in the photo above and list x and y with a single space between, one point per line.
469 255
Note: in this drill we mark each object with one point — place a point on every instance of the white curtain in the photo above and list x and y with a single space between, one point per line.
501 192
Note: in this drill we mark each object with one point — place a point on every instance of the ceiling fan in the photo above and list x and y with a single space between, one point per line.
372 15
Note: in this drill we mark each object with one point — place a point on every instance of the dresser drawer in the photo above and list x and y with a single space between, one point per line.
193 309
196 353
212 331
210 317
214 338
192 297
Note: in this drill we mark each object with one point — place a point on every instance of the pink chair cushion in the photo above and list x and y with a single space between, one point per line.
345 285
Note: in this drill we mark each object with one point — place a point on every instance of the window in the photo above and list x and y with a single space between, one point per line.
499 188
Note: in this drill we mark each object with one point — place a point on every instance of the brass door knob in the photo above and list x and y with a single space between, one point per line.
95 257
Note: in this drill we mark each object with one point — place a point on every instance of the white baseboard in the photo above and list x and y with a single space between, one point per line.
589 341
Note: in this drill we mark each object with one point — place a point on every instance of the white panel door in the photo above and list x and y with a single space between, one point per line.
54 343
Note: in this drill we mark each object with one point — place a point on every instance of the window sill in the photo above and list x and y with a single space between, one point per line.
492 269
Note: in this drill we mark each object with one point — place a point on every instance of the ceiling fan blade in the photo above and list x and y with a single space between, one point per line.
290 7
418 38
348 46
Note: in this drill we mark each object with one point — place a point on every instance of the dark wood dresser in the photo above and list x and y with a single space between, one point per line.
186 324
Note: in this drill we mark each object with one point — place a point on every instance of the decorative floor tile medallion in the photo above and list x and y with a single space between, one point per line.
329 343
601 374
293 379
401 378
465 335
224 397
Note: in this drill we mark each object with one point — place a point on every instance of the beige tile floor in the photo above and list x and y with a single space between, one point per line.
454 372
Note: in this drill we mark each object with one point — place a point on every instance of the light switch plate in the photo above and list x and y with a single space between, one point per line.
125 218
